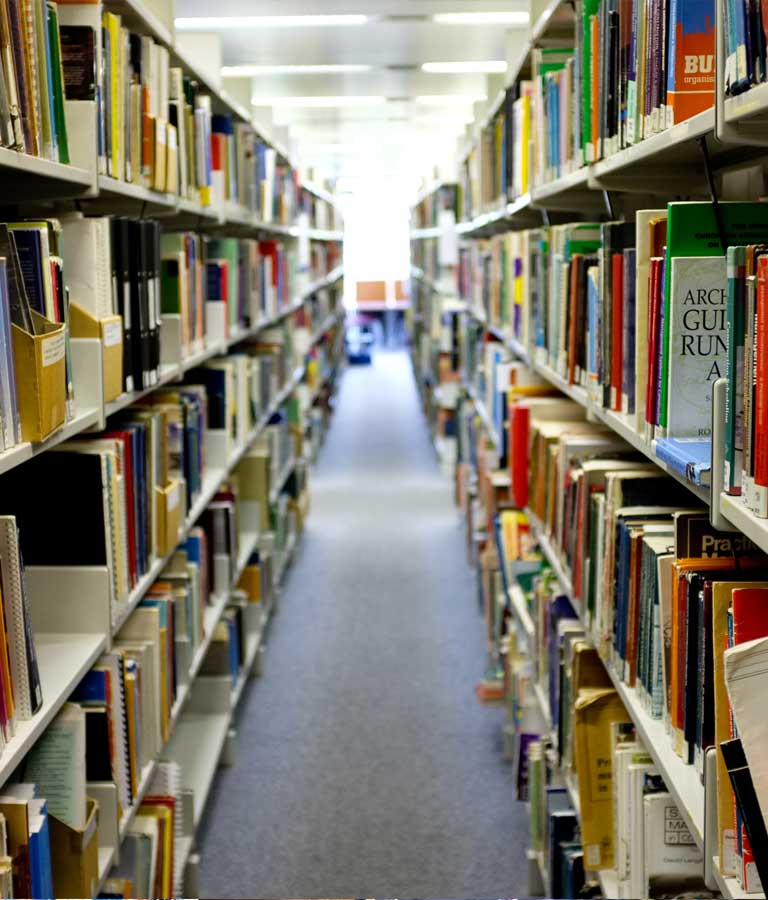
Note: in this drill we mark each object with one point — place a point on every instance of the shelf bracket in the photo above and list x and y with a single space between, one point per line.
608 204
545 216
702 142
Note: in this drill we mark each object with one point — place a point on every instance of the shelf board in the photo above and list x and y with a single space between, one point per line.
21 453
552 556
320 192
729 887
196 746
755 528
114 188
484 414
138 17
326 281
63 660
425 234
165 375
283 475
38 178
625 429
520 609
574 391
574 182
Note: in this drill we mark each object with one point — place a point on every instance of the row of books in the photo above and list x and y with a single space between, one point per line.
663 283
156 126
633 69
119 718
32 113
658 589
113 266
744 46
431 210
320 213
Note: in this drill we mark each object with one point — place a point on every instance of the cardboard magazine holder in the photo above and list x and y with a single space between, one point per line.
41 378
110 332
75 854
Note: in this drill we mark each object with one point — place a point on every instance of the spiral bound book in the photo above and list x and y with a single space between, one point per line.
25 677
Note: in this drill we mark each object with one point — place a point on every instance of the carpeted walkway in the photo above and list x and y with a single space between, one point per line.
365 765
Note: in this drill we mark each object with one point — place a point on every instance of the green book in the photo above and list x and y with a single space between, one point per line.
692 231
170 287
57 84
589 8
227 250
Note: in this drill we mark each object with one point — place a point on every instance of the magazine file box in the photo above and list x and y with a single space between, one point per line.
110 332
41 378
75 855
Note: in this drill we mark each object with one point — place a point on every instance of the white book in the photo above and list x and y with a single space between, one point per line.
698 351
56 764
672 859
746 678
87 248
144 625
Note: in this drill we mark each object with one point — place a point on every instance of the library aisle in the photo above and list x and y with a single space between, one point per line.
365 764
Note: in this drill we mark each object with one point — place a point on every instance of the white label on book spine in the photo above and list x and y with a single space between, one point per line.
53 349
173 498
113 333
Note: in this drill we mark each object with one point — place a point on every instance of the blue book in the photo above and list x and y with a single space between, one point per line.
40 850
93 689
691 457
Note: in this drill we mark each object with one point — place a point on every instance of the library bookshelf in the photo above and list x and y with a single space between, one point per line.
684 161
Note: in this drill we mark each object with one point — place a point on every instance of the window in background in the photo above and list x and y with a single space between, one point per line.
376 248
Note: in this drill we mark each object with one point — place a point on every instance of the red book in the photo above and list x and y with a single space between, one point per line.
617 329
519 418
654 294
218 152
760 451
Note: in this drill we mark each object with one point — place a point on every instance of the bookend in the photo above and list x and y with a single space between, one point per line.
70 600
109 333
171 350
87 359
216 324
105 794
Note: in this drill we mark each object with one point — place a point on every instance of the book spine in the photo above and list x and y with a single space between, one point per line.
761 390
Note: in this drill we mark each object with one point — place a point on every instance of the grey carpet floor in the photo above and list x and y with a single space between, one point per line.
365 766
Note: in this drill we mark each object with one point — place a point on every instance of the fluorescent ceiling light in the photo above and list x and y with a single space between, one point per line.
487 66
444 99
517 17
218 23
254 71
319 102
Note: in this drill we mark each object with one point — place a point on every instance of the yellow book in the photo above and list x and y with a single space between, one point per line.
160 153
525 144
163 886
595 712
112 27
250 583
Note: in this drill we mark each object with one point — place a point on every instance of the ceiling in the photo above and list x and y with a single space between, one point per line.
394 132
